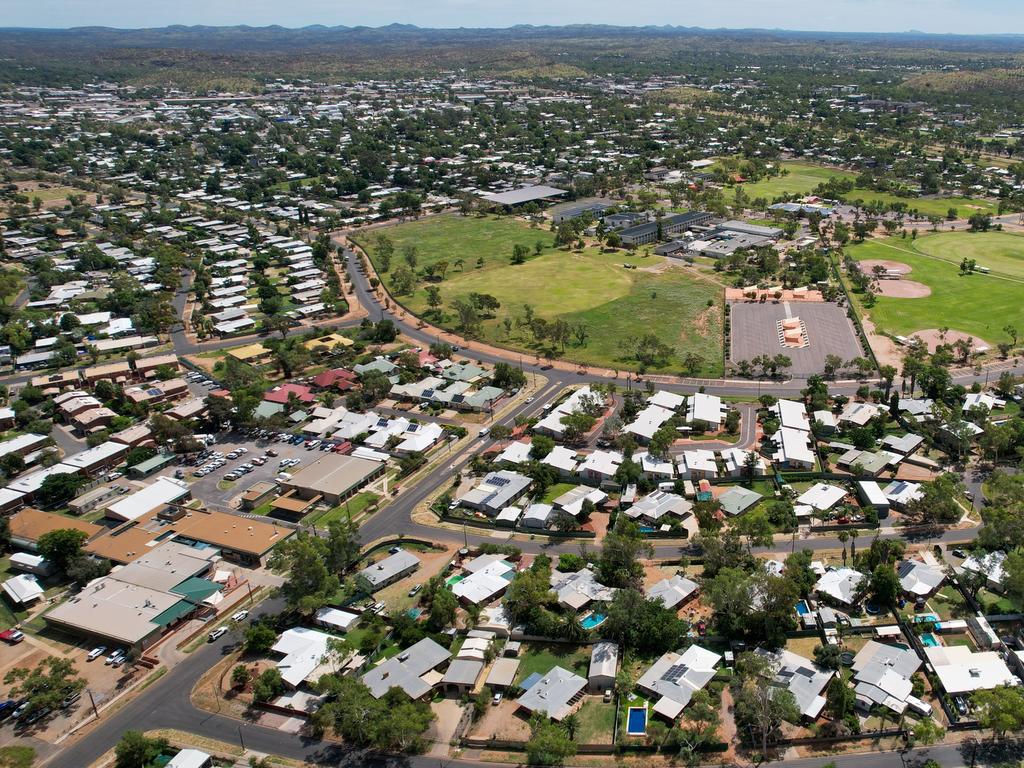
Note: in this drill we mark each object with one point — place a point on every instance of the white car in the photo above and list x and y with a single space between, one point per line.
117 654
242 450
218 633
96 652
240 616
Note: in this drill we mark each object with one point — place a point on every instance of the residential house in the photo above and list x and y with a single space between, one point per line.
554 695
675 677
673 592
580 589
882 675
801 677
738 500
413 670
840 585
920 579
393 568
496 491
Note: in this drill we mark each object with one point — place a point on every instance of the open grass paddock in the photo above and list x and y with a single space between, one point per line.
682 306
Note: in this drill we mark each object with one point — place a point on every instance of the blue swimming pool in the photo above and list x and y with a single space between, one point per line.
636 721
923 617
802 608
930 640
593 620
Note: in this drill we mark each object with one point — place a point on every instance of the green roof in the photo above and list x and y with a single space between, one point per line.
157 462
195 589
266 409
175 612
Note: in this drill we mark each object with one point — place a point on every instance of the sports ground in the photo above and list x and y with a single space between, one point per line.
682 306
977 304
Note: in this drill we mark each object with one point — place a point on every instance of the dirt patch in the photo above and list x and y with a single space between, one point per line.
885 349
868 266
932 338
902 289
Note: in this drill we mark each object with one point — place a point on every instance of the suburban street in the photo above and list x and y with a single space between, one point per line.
167 704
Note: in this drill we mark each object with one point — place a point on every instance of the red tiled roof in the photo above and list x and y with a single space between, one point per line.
281 394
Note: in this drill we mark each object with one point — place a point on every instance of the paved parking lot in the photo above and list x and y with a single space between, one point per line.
206 488
829 331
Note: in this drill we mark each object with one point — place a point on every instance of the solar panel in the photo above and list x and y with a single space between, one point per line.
675 672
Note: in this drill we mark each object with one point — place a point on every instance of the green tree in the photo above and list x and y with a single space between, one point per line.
259 638
136 750
45 685
57 490
61 546
309 585
549 743
621 551
1000 710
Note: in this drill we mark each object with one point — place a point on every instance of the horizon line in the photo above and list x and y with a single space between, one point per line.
513 27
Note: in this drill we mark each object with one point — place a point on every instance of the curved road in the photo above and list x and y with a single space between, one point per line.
166 704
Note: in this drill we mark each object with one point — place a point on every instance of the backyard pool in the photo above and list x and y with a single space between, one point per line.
636 721
923 617
930 640
802 608
453 580
593 620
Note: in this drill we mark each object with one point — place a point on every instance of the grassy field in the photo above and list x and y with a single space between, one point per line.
977 304
926 206
801 180
681 306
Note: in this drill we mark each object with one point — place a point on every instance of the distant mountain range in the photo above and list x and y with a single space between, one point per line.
246 38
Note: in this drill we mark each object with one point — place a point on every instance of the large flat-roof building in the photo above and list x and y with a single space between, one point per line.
521 195
333 477
669 226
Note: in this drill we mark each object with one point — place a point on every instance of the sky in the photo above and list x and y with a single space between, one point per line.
939 16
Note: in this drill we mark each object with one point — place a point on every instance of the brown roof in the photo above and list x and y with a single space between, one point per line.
146 363
222 529
219 529
124 544
29 524
292 503
108 369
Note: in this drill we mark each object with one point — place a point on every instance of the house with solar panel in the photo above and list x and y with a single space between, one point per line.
675 677
801 677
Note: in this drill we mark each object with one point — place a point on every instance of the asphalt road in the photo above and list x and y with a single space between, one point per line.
166 704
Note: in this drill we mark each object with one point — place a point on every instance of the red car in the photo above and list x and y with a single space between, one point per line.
12 636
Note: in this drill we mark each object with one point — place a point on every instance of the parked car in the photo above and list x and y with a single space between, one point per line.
415 590
496 699
218 633
960 553
114 475
70 699
35 715
115 656
240 615
12 636
379 608
96 652
271 452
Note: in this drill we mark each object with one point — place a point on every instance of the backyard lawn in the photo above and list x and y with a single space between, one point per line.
596 722
556 490
948 603
541 657
977 304
681 306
